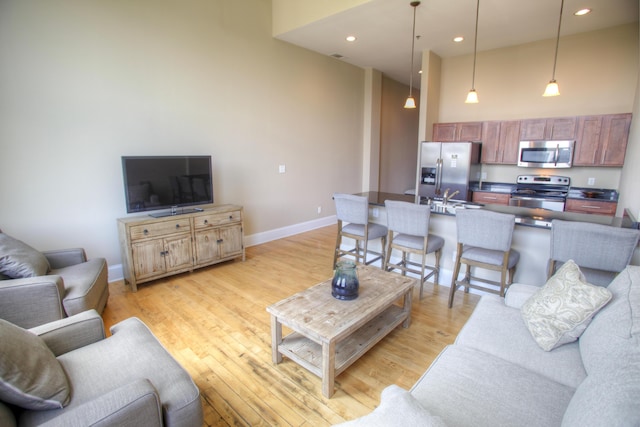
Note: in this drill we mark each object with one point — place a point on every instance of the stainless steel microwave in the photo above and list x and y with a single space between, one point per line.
546 154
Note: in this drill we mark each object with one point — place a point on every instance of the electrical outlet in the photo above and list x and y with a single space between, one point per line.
591 181
376 212
282 169
484 175
319 210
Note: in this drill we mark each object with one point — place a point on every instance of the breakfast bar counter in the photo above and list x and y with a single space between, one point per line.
531 236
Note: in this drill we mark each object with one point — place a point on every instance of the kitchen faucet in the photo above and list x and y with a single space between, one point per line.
448 196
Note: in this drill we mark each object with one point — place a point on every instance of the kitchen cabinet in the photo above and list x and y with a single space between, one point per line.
500 141
590 206
453 132
488 197
557 128
158 247
602 140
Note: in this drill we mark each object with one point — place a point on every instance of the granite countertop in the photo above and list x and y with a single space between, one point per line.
539 218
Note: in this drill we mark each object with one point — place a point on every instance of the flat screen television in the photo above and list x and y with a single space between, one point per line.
154 183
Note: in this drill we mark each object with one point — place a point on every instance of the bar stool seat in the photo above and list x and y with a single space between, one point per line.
408 232
353 223
484 241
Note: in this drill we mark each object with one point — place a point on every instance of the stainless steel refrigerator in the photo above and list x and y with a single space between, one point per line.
447 165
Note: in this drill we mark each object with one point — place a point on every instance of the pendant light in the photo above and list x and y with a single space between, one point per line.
411 102
552 88
472 96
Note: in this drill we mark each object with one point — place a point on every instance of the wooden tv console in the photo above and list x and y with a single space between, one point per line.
158 247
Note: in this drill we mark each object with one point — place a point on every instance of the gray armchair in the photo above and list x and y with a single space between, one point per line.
127 379
39 287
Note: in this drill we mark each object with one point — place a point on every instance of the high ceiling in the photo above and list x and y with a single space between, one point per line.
383 28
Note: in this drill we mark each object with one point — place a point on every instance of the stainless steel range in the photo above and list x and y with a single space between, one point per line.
540 191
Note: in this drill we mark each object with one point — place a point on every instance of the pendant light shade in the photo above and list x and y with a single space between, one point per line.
472 96
552 88
411 102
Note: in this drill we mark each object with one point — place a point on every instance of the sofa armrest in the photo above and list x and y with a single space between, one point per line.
72 332
134 404
32 301
518 293
65 257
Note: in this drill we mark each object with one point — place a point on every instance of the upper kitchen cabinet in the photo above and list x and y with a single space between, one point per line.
558 128
452 132
602 140
500 140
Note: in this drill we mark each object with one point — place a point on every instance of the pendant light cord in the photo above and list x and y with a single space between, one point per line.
414 4
475 49
555 58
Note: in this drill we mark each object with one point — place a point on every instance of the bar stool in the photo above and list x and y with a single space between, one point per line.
410 224
484 241
354 211
601 251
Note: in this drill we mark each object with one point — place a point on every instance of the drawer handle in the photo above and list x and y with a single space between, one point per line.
206 221
164 253
219 241
490 198
230 216
592 207
145 231
177 225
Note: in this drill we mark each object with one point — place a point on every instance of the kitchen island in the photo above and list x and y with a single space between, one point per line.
531 235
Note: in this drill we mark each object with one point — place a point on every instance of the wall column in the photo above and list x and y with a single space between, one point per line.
371 129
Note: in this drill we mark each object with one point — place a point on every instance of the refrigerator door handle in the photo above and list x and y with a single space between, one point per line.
438 176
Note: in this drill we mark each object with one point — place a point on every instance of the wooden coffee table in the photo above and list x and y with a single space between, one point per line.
330 334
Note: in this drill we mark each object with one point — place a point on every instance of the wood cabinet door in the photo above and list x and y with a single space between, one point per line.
206 246
509 142
562 128
230 241
444 132
533 129
178 252
490 142
613 139
148 258
471 131
587 147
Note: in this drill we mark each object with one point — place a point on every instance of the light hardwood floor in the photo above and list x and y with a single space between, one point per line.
214 322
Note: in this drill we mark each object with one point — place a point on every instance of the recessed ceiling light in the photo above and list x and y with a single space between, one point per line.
351 38
582 12
458 39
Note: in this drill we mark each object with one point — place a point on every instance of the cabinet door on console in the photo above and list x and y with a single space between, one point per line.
178 253
231 241
207 246
148 258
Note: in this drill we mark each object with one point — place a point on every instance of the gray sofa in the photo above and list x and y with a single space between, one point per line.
67 373
496 374
40 287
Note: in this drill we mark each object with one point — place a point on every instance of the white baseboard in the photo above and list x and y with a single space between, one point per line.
115 271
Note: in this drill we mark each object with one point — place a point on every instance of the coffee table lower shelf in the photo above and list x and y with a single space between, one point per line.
308 353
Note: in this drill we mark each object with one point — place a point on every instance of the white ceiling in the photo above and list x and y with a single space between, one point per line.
383 28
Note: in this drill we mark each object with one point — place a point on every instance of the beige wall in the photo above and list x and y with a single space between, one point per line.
597 73
399 138
84 83
290 14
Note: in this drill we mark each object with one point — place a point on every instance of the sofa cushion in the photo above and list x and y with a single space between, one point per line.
18 260
30 375
499 330
466 387
561 310
397 408
611 340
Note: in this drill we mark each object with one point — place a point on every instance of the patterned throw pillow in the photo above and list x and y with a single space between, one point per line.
561 310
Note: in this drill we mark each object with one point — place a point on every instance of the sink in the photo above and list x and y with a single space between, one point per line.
440 207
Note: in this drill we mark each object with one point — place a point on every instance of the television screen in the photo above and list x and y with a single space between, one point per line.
161 182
